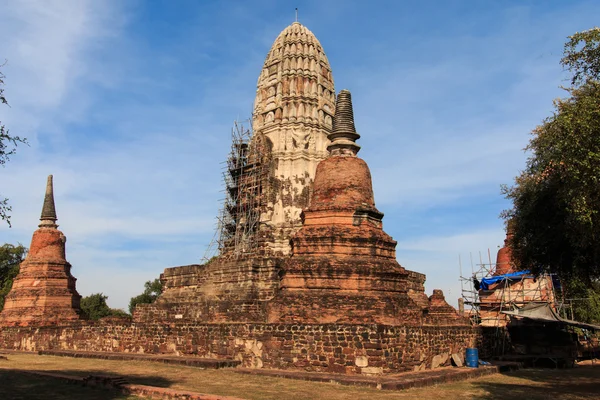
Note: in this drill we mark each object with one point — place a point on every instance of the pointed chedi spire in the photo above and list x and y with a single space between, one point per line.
504 261
48 216
343 138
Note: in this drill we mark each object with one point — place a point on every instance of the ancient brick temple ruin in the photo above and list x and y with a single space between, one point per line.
43 293
322 289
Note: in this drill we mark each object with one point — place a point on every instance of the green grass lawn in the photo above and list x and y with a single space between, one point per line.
582 382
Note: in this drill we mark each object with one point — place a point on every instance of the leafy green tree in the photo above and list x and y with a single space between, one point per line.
584 301
582 56
8 146
95 307
117 312
152 289
555 218
10 258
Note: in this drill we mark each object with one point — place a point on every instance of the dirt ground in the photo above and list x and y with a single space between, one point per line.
581 382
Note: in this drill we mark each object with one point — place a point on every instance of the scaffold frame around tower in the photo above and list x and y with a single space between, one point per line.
508 298
244 176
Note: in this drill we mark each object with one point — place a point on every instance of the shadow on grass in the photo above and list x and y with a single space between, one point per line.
149 380
555 384
20 385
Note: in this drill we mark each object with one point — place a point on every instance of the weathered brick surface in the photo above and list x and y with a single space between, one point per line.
351 349
221 291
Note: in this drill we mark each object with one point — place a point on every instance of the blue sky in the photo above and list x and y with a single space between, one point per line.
130 105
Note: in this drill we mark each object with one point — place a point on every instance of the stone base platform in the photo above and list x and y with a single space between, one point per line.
205 363
402 381
393 382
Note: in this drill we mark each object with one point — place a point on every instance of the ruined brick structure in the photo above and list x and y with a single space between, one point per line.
325 292
505 294
43 293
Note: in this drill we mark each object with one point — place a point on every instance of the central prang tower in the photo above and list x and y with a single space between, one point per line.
293 114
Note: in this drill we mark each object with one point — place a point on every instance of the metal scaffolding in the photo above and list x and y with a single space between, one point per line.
511 293
470 295
487 305
245 175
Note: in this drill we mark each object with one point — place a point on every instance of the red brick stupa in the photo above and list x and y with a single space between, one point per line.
343 267
43 293
504 262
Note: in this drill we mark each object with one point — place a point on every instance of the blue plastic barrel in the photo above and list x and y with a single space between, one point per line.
472 358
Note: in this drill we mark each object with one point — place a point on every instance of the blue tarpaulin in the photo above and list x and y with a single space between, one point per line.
486 282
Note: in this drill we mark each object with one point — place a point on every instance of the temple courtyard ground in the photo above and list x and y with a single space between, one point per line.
581 382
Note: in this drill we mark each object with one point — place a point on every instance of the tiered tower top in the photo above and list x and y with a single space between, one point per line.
296 84
48 217
343 180
343 138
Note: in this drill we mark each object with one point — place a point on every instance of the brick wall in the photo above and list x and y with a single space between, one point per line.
353 349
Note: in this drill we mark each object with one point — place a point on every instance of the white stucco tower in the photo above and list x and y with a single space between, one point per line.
293 113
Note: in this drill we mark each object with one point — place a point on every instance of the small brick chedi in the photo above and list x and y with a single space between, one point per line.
43 293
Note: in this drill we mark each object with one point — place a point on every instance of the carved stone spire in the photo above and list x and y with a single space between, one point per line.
293 114
48 217
343 138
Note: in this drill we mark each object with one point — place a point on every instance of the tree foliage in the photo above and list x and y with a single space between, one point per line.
95 307
585 301
10 258
152 289
8 145
582 56
555 218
